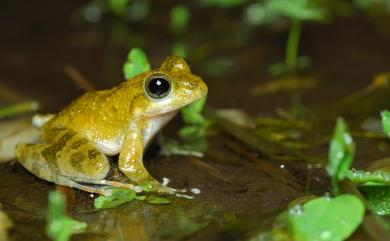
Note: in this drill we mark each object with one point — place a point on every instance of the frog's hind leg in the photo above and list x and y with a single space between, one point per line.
71 160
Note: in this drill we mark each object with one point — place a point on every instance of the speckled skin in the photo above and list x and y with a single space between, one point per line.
121 120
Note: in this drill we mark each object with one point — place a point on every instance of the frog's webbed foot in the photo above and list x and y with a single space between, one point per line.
103 187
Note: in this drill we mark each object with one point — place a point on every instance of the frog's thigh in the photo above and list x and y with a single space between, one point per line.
76 159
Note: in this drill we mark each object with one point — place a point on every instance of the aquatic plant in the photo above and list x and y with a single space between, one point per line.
297 11
325 218
341 154
374 183
121 196
60 226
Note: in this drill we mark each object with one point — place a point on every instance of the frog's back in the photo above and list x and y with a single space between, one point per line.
98 114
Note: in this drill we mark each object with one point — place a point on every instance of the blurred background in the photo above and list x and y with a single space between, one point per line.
231 44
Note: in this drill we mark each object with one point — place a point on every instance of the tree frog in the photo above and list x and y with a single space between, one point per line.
75 142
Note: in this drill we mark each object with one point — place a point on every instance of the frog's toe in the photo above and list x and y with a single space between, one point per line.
88 187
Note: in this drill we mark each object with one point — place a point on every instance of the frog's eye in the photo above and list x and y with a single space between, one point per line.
158 86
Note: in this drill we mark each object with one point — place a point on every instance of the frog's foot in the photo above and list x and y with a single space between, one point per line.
122 185
88 187
156 186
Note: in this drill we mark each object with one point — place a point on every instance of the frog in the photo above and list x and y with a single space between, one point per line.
75 143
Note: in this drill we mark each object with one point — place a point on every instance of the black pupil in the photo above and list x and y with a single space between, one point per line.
158 86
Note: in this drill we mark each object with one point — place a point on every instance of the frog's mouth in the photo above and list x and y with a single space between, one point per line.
164 115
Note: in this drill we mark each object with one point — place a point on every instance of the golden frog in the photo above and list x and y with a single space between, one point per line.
75 142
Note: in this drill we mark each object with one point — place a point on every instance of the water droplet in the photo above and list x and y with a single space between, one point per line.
296 210
347 138
325 235
195 191
165 181
327 196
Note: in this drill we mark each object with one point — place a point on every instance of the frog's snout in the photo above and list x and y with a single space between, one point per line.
204 88
200 89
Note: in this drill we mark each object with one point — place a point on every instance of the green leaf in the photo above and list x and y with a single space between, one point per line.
137 63
118 197
296 9
341 153
179 17
192 114
157 200
378 197
378 173
330 219
386 122
369 178
59 226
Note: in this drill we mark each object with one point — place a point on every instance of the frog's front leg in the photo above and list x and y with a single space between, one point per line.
131 164
130 157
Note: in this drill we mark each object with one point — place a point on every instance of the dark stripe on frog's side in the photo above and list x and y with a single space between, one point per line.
92 154
82 160
78 143
50 153
76 160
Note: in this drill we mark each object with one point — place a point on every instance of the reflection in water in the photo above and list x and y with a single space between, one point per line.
144 222
116 225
